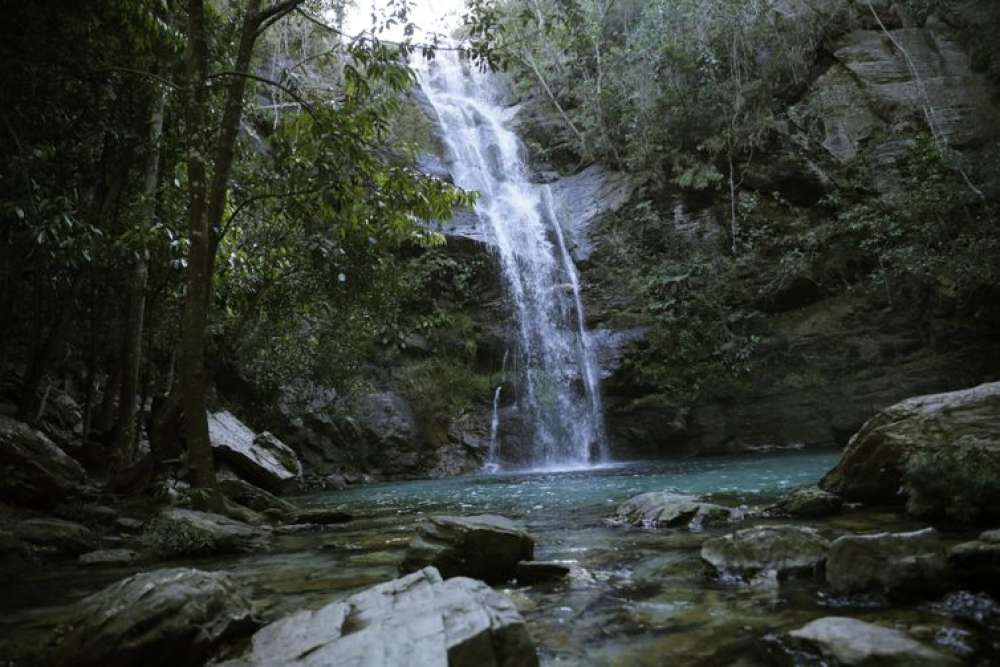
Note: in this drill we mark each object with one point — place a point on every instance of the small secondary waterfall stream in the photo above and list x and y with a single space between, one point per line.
559 380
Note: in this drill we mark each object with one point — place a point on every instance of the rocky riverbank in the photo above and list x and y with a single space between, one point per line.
719 570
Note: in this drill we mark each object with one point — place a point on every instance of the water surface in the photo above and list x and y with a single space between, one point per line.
637 597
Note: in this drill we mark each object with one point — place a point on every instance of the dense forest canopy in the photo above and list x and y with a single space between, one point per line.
197 186
199 178
500 332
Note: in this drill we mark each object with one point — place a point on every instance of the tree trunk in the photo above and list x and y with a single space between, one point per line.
194 384
206 210
6 299
734 225
132 355
555 102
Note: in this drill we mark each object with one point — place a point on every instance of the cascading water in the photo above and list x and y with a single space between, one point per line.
493 454
559 379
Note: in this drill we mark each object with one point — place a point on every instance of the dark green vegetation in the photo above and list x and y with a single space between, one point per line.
207 204
191 187
212 212
816 231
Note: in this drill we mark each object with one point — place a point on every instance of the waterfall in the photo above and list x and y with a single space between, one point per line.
493 456
559 380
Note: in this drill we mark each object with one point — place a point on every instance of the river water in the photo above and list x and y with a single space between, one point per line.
637 596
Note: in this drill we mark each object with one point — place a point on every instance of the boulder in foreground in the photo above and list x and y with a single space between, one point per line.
766 551
165 617
846 641
486 547
414 621
181 532
894 564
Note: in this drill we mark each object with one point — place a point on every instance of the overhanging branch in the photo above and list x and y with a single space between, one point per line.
270 82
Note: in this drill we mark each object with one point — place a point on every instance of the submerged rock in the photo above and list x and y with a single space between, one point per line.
15 555
890 563
55 535
322 515
33 469
486 547
160 618
847 641
940 453
177 532
762 551
262 459
109 557
977 563
414 621
128 525
536 571
659 509
808 502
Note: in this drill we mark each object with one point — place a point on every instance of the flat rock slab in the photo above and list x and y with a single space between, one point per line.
414 621
129 525
537 571
155 619
254 497
57 535
322 516
777 550
182 532
108 557
808 502
977 563
15 555
852 642
889 563
486 547
660 509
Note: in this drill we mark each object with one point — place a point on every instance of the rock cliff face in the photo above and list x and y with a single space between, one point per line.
826 346
826 355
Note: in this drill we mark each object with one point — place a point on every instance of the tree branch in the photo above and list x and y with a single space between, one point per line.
275 13
139 72
261 197
418 45
285 89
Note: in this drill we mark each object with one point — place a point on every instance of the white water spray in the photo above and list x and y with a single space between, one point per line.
559 379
